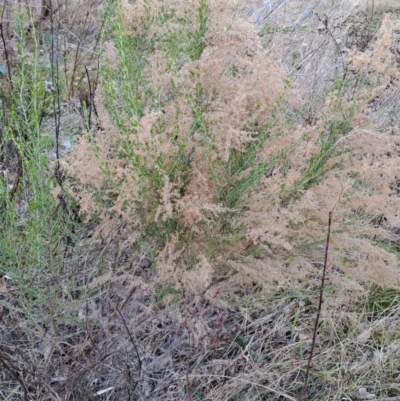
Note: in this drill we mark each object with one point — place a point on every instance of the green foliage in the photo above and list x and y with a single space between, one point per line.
184 42
128 92
35 225
382 300
44 250
335 128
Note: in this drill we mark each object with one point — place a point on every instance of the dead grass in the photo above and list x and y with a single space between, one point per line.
204 162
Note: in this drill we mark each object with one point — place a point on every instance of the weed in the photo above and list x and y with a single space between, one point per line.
381 300
204 150
333 131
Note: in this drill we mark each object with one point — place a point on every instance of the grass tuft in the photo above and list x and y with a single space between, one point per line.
166 169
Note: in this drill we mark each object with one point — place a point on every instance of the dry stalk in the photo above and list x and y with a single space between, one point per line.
134 347
325 22
14 372
56 96
6 53
321 300
321 297
397 398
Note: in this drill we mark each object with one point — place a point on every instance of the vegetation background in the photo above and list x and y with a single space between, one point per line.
167 169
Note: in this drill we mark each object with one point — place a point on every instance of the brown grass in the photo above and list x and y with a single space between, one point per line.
220 309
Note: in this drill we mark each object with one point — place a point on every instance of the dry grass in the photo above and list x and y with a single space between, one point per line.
181 256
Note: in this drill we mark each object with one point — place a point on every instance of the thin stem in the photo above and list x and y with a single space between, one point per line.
321 300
